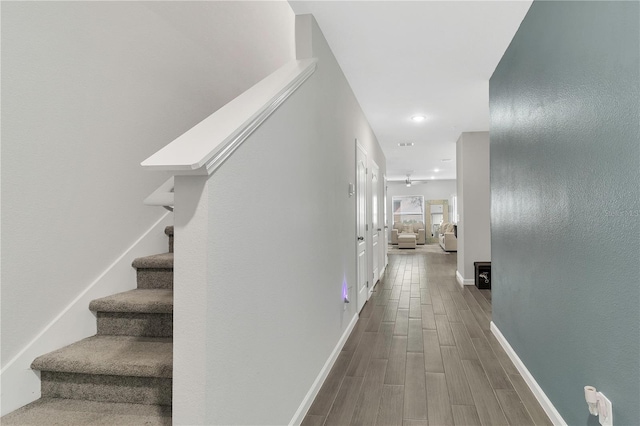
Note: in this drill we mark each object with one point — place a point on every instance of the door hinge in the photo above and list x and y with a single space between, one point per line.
367 284
366 227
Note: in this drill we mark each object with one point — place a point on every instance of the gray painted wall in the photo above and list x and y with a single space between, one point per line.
472 171
565 179
274 310
89 90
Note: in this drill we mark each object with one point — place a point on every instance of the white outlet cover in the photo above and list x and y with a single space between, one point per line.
608 420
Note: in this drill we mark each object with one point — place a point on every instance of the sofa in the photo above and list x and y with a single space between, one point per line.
415 228
447 237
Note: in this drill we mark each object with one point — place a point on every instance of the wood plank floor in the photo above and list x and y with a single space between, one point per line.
422 354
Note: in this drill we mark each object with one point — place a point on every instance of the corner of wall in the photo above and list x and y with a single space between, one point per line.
462 281
537 391
322 375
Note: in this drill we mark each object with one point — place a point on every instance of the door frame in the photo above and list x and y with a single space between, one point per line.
385 228
361 244
375 227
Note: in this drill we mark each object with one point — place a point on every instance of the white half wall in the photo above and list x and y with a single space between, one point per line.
259 312
474 203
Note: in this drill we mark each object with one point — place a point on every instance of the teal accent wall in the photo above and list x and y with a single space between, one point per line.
565 193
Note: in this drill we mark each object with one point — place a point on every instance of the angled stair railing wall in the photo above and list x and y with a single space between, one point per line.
192 159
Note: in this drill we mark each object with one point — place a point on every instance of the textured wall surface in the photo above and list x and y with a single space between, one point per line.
565 182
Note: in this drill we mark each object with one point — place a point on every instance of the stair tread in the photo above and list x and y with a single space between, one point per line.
140 300
112 355
162 260
58 411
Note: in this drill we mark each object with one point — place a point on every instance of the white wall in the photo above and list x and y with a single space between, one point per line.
90 89
432 190
264 317
474 202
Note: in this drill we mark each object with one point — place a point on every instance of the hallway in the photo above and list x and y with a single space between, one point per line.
422 354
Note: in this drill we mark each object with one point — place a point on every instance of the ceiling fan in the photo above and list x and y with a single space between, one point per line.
408 181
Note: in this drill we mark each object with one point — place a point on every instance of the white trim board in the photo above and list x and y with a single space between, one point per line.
322 376
542 398
20 384
462 281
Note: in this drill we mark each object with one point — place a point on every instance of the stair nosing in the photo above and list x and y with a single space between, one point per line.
109 367
155 261
108 304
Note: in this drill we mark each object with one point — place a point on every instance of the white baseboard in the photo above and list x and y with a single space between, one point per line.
542 398
317 384
462 281
19 384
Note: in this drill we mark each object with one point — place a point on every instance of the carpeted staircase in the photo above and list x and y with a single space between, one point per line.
122 375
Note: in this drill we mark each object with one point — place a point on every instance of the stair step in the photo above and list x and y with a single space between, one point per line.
155 271
110 369
134 324
155 261
57 411
104 388
144 313
112 355
169 232
159 301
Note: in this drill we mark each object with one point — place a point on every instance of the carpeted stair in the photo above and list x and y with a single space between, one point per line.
123 374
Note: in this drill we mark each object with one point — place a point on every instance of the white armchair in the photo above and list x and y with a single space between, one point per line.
447 237
416 228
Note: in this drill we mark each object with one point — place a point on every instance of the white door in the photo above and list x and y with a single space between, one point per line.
385 234
375 224
361 226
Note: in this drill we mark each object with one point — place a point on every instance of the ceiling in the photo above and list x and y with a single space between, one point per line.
433 58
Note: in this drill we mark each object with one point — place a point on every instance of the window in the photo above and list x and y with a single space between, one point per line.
453 209
408 209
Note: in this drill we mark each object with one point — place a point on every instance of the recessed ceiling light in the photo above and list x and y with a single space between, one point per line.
446 160
436 170
405 144
433 177
418 118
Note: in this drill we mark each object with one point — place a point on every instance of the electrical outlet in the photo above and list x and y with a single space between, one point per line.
606 417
